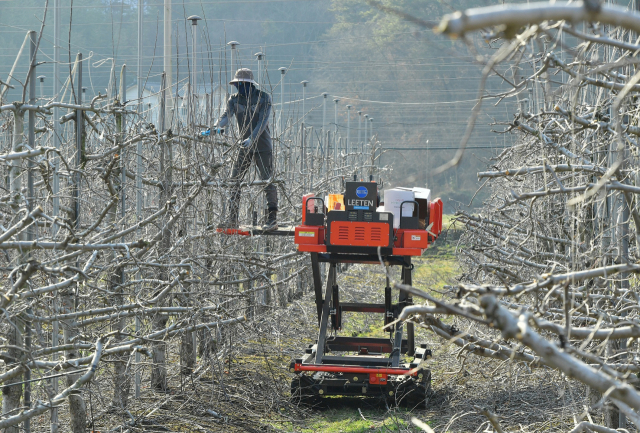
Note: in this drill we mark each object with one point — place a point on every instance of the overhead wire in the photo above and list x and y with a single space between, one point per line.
303 65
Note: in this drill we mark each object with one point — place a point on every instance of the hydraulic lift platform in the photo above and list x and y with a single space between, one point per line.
338 365
363 366
257 231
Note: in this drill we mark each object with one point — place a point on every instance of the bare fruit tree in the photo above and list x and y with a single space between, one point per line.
550 263
115 278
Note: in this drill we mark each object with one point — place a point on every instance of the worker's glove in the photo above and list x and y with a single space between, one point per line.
206 133
214 130
246 143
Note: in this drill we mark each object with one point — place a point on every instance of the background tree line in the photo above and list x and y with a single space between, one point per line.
423 85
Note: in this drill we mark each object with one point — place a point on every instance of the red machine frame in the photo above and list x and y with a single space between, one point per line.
370 371
332 239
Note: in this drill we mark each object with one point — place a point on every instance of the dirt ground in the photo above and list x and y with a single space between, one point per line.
246 388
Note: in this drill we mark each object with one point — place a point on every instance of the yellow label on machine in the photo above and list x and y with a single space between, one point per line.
307 234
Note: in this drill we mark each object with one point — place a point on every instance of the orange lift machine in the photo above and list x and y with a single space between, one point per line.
363 233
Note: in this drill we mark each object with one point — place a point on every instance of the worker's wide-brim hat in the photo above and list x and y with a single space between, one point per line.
243 75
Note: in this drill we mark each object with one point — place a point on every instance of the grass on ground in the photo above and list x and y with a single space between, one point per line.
357 417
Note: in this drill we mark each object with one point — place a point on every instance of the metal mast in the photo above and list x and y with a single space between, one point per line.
324 113
56 187
56 115
348 129
359 125
259 57
233 45
168 69
335 128
366 120
283 71
304 97
139 169
41 80
193 94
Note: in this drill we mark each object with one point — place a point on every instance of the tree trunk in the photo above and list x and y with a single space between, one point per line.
121 380
77 408
611 415
206 343
187 343
159 370
11 394
187 353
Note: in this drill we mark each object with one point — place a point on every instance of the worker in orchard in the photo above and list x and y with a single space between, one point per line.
252 108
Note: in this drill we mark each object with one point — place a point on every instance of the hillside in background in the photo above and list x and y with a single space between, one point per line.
418 87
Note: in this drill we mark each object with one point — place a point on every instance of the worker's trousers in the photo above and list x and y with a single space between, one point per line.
264 164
